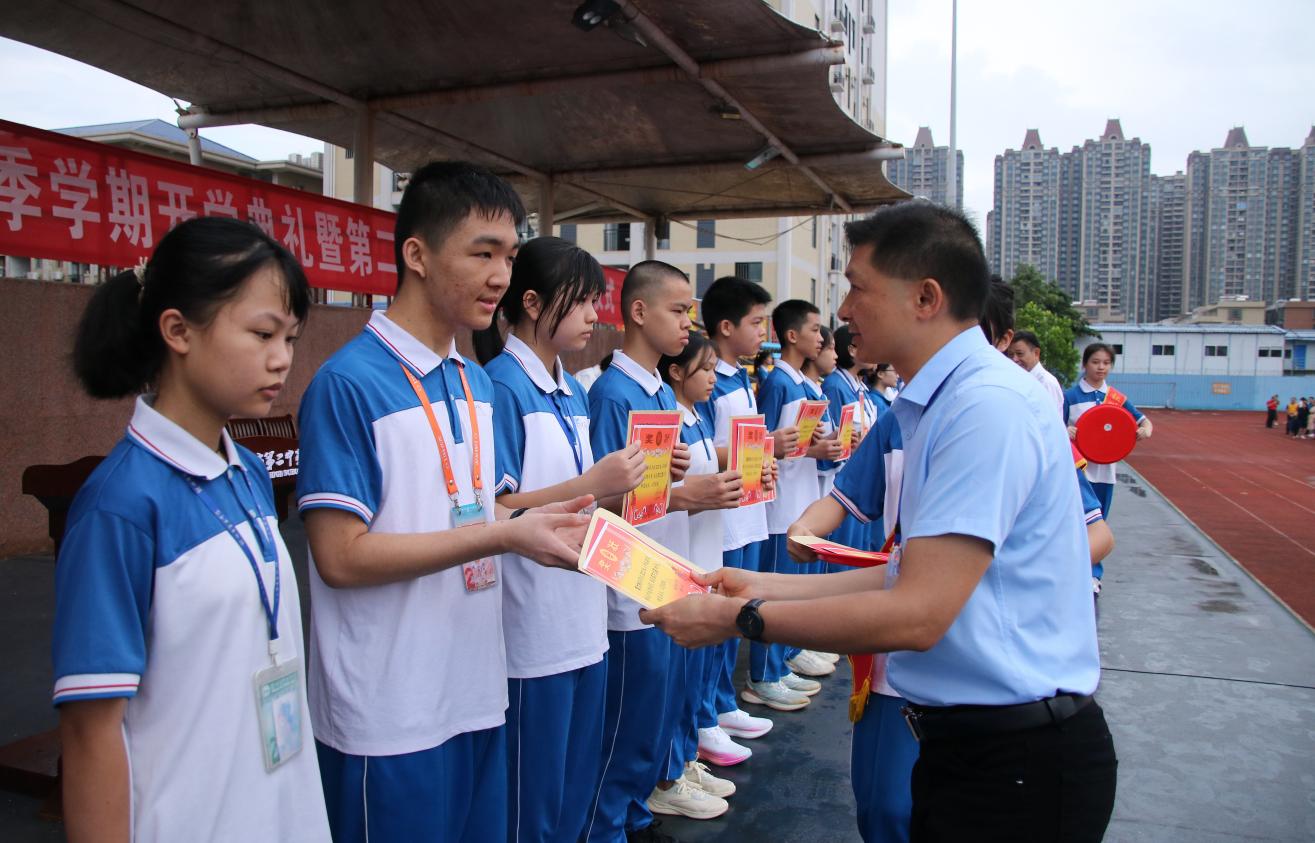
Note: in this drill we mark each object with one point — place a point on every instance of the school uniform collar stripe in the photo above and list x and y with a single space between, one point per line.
794 374
169 443
421 358
649 381
533 367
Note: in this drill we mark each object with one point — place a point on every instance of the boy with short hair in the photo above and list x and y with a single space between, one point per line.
798 327
639 723
735 317
408 673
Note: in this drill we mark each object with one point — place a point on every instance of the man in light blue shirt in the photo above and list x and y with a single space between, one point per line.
983 606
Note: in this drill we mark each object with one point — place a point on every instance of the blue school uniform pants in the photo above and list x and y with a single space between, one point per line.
881 767
455 792
723 701
554 752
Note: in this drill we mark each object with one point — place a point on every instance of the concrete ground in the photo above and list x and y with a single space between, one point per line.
1209 687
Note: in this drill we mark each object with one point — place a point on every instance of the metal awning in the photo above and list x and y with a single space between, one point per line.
590 125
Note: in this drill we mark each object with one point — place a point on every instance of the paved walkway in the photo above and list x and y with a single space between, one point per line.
1209 686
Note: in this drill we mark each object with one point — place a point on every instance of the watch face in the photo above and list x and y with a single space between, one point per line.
750 622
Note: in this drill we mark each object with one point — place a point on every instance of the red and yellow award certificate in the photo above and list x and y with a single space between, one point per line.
769 456
624 559
657 431
841 554
847 414
748 440
810 416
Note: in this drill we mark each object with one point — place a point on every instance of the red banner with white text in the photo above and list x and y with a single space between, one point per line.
70 199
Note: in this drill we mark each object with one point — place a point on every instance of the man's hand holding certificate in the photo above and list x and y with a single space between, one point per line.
624 559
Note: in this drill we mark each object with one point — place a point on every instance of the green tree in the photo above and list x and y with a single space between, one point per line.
1030 286
1058 353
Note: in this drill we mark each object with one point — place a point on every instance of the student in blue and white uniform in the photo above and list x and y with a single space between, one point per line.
408 669
644 689
984 605
735 313
174 592
798 328
554 621
691 375
843 387
1090 390
815 374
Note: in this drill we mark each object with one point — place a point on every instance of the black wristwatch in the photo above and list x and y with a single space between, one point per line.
749 622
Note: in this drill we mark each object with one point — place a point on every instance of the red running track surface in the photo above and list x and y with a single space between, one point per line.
1250 488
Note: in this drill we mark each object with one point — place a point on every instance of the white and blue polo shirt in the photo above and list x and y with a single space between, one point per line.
155 602
1081 397
732 395
627 386
986 456
399 667
705 528
779 396
554 620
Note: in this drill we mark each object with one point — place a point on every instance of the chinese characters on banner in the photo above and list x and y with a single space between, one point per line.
609 304
70 199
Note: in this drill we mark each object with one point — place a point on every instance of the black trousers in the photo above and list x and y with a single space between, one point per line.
1053 783
1270 417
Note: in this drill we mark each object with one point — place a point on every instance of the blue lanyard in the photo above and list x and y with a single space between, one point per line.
743 375
449 403
264 533
568 429
704 434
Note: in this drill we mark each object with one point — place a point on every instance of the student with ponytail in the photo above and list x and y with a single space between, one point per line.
177 638
554 621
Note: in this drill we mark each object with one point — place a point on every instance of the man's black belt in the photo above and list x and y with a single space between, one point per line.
962 721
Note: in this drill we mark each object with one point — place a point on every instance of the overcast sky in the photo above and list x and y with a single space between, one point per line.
1177 73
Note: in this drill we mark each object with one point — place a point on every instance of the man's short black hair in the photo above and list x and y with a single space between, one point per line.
1027 337
997 317
439 197
844 339
791 316
641 280
917 239
730 299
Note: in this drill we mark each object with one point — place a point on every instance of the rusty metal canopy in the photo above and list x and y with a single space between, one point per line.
618 129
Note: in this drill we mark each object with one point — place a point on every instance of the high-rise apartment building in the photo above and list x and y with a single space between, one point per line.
1069 274
1239 195
1304 251
1023 228
925 171
1197 218
1113 265
1169 222
1279 273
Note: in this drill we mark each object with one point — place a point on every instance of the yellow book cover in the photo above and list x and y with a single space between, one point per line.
846 437
810 416
624 559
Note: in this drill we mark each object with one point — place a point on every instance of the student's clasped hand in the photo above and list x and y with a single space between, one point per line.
551 535
618 472
824 449
786 439
680 459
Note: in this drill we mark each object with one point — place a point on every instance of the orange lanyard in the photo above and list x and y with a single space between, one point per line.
451 481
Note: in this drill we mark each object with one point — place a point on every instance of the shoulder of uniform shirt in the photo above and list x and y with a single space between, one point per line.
127 484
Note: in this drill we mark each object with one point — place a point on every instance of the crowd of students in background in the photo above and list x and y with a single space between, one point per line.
452 696
1300 420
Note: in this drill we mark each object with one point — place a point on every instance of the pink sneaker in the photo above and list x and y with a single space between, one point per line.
716 747
741 724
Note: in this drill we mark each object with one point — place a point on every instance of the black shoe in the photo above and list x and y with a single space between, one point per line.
650 834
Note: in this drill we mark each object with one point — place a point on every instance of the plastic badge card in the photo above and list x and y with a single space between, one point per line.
841 554
657 431
769 455
847 414
624 559
748 441
810 416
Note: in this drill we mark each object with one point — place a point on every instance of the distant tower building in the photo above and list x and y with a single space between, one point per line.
925 170
1305 248
1116 175
1170 267
1280 268
1239 196
1197 214
1025 221
1070 222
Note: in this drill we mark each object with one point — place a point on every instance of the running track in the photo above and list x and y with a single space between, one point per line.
1249 488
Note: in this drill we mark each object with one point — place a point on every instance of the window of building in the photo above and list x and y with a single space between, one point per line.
616 237
707 234
1118 348
1271 352
1216 351
703 277
750 271
812 290
814 234
663 234
567 232
1235 314
1162 351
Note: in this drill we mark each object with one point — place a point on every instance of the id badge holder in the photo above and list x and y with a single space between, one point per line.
482 573
279 712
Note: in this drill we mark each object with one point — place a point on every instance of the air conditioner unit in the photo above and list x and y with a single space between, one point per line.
869 76
837 26
869 24
838 80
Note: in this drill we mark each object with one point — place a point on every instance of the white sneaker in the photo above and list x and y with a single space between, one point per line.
807 687
774 695
685 801
805 664
698 775
716 747
833 658
741 724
